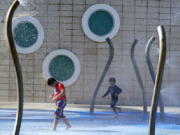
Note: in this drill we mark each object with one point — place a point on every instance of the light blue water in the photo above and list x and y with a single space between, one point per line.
36 122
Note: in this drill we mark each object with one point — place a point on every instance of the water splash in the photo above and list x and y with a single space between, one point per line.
170 63
30 7
155 51
171 87
24 2
29 13
173 63
170 95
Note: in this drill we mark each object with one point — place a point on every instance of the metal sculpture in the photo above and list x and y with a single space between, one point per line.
138 76
158 80
111 55
152 72
15 58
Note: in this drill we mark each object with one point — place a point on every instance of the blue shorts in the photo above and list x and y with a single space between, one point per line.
114 102
60 105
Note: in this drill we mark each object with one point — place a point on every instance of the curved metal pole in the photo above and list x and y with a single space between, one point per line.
138 76
148 59
152 72
159 78
111 55
10 40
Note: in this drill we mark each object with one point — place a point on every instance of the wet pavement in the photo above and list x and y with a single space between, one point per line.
39 122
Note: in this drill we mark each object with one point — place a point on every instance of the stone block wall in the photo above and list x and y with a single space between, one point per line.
61 20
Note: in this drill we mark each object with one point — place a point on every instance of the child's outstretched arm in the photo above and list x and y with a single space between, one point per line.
107 92
51 96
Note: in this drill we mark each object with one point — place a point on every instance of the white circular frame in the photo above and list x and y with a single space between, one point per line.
38 43
67 53
93 9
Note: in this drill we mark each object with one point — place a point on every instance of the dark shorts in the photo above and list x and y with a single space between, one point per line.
114 102
60 105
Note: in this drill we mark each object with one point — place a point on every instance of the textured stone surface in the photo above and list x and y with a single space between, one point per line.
61 20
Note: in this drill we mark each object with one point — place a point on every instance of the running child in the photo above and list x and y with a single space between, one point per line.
59 97
115 91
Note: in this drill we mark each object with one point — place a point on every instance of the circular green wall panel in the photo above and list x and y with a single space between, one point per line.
61 68
101 23
25 34
28 34
62 65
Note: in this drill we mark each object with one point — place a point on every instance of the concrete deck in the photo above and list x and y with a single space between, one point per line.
80 107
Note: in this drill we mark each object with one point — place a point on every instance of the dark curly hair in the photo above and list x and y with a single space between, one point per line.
51 81
112 79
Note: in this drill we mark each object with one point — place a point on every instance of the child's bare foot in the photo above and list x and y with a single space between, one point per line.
116 116
119 109
53 129
67 127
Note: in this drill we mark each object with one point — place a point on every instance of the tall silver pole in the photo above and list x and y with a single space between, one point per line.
152 72
15 58
111 55
138 76
158 80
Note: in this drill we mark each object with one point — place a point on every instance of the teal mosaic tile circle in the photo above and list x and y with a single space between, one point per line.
101 23
25 34
61 68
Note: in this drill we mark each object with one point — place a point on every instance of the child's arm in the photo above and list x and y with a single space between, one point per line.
107 92
59 95
51 96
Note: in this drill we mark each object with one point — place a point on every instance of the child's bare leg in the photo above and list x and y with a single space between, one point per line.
55 124
115 111
66 123
118 108
113 106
